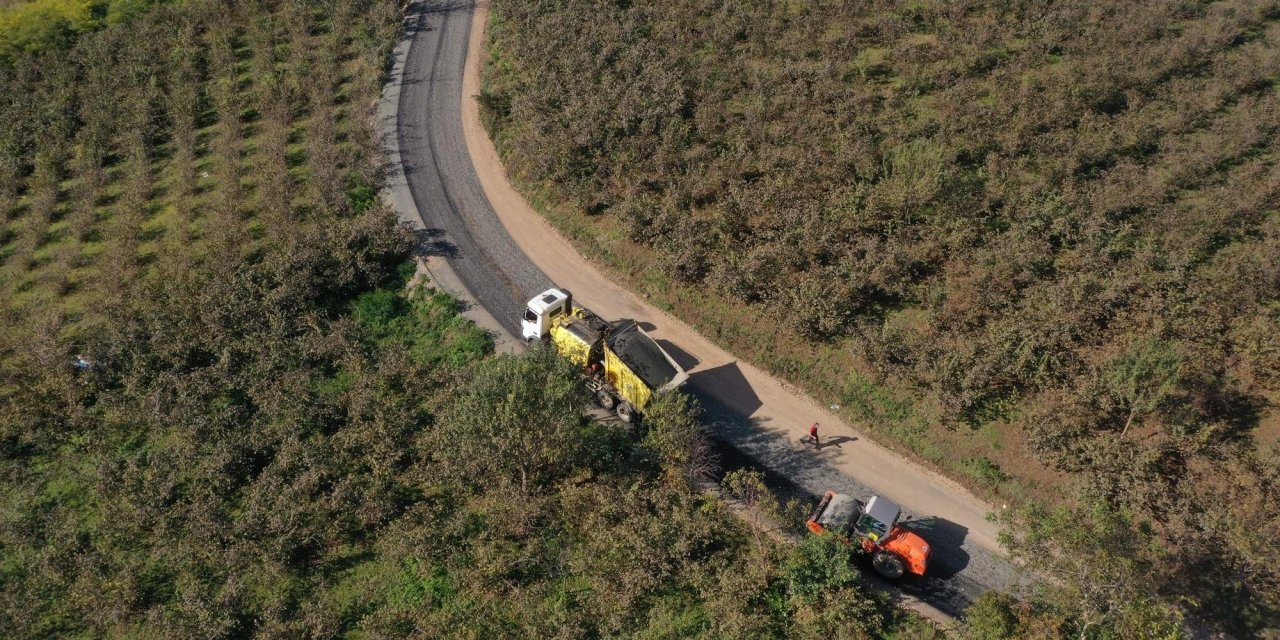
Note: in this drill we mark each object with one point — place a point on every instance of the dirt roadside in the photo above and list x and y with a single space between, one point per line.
772 405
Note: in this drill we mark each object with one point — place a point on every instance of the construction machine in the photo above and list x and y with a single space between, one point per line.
624 367
873 528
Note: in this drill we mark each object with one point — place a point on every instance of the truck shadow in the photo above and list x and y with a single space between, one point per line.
682 357
727 378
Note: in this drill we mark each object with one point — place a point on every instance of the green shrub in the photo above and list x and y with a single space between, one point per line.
377 310
987 471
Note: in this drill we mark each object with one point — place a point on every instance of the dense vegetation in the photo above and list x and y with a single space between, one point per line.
28 26
188 136
1004 232
359 475
224 414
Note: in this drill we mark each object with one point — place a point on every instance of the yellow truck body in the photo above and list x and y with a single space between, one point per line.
625 367
575 340
570 344
630 387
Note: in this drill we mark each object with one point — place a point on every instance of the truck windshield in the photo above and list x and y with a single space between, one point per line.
530 316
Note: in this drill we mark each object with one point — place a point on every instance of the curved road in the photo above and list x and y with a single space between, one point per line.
444 177
459 222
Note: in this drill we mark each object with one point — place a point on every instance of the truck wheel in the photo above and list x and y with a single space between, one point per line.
626 412
605 399
888 564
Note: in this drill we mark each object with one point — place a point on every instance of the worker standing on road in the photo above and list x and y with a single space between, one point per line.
813 433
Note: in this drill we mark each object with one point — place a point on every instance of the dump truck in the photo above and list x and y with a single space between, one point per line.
873 528
623 366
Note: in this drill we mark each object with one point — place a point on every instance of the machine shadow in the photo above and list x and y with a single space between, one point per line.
947 541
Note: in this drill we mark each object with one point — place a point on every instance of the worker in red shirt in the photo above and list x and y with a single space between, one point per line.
813 433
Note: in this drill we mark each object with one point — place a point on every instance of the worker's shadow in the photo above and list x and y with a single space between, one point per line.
946 539
835 442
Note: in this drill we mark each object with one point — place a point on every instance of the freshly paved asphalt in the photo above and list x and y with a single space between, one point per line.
460 223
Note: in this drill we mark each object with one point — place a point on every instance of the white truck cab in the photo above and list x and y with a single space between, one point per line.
536 322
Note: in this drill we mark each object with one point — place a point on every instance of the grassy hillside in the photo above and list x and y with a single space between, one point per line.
224 414
1037 244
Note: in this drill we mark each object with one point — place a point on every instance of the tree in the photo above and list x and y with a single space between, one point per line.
45 194
991 617
1140 379
761 508
998 616
673 432
519 421
825 593
227 101
1100 560
182 97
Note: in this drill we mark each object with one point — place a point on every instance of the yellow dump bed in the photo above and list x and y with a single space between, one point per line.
635 366
630 387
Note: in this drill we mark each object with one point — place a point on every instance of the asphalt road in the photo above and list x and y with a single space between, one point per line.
462 227
460 223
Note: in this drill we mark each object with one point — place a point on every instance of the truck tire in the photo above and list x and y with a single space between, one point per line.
626 412
888 564
605 399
